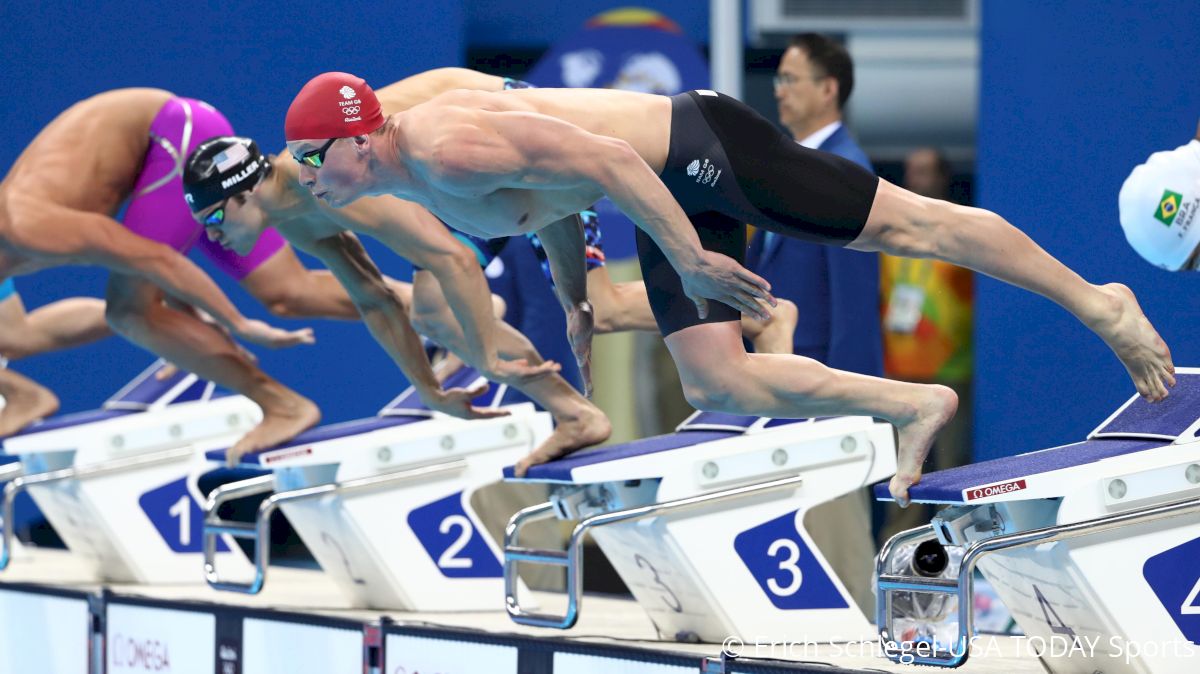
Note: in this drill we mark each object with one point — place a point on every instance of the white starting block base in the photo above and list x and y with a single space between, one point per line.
119 484
706 525
1095 544
612 635
384 503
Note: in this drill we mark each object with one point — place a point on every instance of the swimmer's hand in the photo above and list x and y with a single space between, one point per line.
517 373
262 334
457 403
580 326
720 277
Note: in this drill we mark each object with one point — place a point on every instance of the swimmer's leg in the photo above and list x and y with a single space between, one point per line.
718 375
61 325
618 307
777 333
65 324
578 422
136 310
25 401
905 224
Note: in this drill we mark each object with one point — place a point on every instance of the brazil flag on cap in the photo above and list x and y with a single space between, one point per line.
1168 207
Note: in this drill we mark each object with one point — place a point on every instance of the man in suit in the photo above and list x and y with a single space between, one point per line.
835 289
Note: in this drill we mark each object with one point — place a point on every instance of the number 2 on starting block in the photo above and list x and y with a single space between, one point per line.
450 538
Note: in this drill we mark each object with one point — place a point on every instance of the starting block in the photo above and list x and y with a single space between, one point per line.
1093 545
119 483
706 525
383 503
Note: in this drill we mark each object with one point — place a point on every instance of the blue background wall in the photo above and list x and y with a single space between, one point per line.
248 62
1073 96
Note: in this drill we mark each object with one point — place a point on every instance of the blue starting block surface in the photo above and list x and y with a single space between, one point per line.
144 392
700 428
956 484
405 409
561 471
1136 426
69 420
322 434
1176 418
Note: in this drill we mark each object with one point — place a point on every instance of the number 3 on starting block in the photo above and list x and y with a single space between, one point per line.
785 567
452 541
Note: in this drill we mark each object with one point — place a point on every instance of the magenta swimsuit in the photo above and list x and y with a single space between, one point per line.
157 210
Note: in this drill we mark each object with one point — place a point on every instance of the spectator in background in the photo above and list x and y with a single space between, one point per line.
927 326
835 289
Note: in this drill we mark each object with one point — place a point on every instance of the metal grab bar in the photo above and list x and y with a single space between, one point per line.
8 472
260 530
23 482
964 586
571 558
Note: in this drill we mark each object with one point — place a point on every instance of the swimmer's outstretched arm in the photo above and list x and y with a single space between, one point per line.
495 150
67 236
415 234
566 251
388 322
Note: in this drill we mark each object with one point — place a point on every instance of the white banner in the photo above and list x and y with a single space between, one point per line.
276 647
43 633
142 639
418 655
572 663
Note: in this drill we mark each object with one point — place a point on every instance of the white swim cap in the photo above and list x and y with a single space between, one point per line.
1159 203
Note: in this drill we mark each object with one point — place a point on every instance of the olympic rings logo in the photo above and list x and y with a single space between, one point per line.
351 110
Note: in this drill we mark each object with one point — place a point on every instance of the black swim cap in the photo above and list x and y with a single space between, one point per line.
221 167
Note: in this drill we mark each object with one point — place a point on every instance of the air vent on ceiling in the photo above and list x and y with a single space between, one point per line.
789 16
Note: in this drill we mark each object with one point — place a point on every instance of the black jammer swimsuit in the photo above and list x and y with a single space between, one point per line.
728 166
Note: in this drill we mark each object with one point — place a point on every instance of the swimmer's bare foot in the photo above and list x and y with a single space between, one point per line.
25 401
934 407
286 414
1119 321
779 332
589 426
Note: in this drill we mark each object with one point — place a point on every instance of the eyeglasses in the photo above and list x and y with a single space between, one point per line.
787 79
217 217
315 158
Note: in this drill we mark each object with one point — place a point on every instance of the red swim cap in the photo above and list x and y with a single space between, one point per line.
333 105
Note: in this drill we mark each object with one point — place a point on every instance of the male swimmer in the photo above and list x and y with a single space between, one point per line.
447 266
236 212
617 307
56 208
690 170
